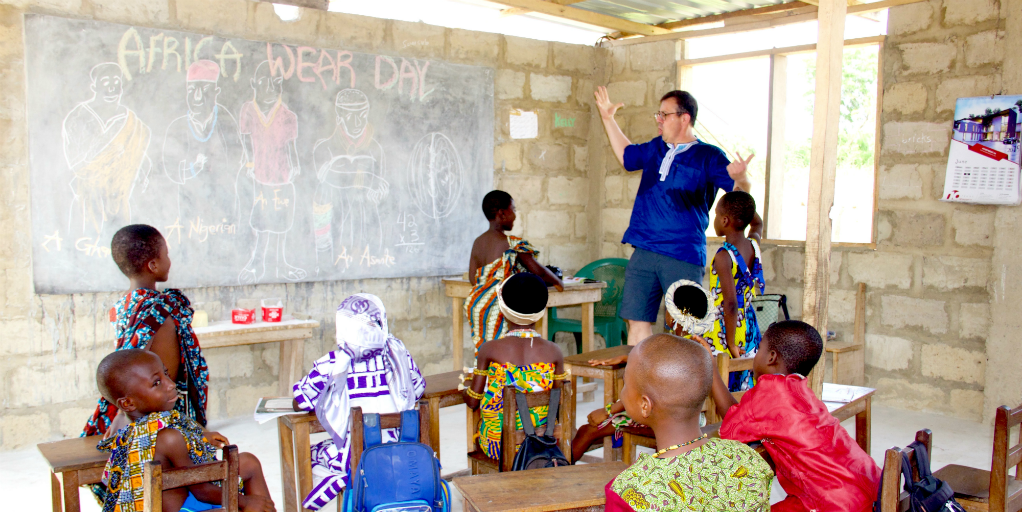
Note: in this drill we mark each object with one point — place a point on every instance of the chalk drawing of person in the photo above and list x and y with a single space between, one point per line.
202 153
269 130
105 147
350 168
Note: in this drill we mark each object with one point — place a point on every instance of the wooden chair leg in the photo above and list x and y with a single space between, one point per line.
284 433
152 484
229 489
628 449
55 492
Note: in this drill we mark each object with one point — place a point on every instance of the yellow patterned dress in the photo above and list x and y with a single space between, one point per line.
530 378
748 283
485 321
719 475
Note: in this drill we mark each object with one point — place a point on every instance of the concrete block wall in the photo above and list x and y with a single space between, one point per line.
52 343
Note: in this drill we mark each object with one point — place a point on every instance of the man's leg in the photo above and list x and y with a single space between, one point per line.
639 331
641 295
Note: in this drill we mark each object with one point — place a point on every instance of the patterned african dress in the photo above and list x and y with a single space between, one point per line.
139 316
719 475
530 378
749 284
133 446
485 321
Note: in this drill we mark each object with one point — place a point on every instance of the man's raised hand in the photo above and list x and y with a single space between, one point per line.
737 170
604 104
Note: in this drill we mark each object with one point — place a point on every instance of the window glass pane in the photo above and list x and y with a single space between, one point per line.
853 209
732 113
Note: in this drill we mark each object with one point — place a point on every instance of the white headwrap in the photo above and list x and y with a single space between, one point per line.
684 321
362 327
514 316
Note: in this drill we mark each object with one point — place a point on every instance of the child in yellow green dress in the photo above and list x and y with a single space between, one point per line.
523 358
736 278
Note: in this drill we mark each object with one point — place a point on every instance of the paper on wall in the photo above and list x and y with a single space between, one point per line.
522 125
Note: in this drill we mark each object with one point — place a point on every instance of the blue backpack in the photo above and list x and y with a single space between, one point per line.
396 477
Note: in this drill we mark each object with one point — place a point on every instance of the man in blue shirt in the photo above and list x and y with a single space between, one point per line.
681 176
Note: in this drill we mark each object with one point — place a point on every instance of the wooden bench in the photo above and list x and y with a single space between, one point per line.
73 462
577 488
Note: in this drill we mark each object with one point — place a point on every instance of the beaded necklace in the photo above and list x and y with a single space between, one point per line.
523 333
673 447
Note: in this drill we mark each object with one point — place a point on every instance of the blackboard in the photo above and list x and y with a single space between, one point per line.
260 162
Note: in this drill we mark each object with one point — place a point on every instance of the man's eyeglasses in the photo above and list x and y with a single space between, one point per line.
660 116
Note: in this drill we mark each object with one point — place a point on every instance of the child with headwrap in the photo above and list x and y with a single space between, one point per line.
370 369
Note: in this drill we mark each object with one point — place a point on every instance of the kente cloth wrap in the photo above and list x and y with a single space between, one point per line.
718 475
818 464
485 319
749 283
370 369
139 315
133 446
530 378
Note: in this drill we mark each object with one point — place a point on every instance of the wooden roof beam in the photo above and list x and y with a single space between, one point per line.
582 16
516 11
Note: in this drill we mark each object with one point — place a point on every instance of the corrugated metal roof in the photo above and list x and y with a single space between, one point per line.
656 12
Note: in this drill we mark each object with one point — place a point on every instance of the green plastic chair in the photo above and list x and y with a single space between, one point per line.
607 322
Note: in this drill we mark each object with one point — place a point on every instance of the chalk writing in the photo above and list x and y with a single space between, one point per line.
131 47
564 122
202 230
55 238
370 260
91 247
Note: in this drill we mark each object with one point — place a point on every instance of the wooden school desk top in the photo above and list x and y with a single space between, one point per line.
605 353
572 294
539 490
74 454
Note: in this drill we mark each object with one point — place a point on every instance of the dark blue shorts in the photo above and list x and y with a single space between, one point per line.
648 275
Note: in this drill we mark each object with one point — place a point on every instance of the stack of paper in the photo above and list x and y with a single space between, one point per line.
269 407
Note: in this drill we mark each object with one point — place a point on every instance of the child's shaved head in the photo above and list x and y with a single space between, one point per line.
135 245
675 372
114 372
740 206
797 344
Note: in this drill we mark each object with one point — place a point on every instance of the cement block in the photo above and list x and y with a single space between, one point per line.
569 257
768 257
842 307
629 93
881 269
580 156
632 186
888 352
657 56
351 32
905 98
570 123
475 47
615 221
548 157
974 321
270 27
229 362
927 58
613 186
951 363
620 59
568 191
907 19
31 384
915 396
584 92
525 190
793 265
899 311
271 356
554 88
948 273
241 399
969 12
984 48
548 224
913 138
962 87
611 250
662 85
230 16
967 403
72 420
900 181
526 52
582 225
974 228
24 430
509 154
508 84
573 57
417 39
913 229
129 11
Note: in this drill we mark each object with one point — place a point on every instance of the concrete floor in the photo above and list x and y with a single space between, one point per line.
25 482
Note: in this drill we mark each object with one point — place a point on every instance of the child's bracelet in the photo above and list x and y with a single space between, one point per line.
473 394
608 408
562 376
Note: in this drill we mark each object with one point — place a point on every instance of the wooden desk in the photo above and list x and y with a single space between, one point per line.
582 294
860 407
291 334
78 462
612 376
578 488
442 391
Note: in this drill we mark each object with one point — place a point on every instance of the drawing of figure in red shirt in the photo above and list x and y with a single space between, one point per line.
269 130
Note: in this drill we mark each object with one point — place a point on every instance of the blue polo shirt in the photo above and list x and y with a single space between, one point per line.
670 216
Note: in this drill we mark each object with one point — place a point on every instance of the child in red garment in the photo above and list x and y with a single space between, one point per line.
817 462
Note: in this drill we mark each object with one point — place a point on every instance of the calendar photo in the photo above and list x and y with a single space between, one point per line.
984 153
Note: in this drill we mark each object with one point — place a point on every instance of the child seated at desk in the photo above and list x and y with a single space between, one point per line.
688 313
523 357
818 464
370 369
497 256
138 383
666 383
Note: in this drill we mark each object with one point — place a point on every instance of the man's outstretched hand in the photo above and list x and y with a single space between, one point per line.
737 170
604 104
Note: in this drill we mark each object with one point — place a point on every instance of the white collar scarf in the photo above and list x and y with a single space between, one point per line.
362 326
666 163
